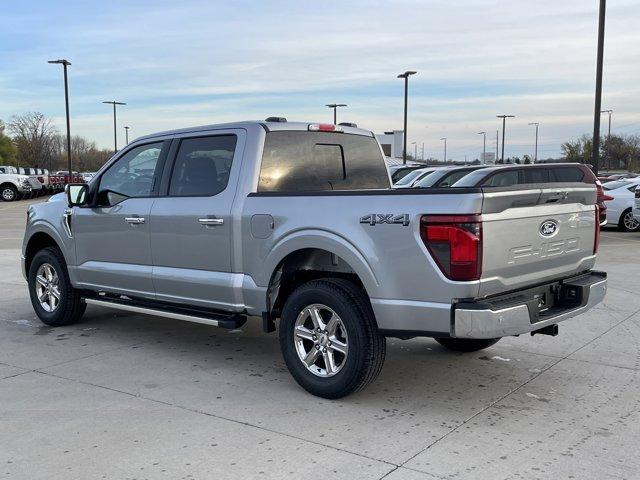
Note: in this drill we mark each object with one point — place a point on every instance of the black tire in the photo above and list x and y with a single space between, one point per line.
8 193
621 222
466 344
70 307
366 347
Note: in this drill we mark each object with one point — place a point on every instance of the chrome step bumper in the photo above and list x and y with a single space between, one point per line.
489 319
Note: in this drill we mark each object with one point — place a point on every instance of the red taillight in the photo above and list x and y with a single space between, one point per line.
596 239
455 242
324 127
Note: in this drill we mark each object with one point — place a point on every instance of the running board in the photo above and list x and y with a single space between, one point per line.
217 320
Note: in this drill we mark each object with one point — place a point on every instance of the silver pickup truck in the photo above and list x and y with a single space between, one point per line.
296 224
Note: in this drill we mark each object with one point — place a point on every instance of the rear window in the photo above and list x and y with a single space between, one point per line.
452 177
536 175
297 161
412 177
402 172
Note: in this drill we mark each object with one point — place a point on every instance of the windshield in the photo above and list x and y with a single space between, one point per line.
472 179
409 178
616 184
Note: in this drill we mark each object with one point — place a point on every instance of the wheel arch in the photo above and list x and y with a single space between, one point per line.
37 241
308 256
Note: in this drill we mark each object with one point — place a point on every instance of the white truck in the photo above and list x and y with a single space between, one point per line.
13 186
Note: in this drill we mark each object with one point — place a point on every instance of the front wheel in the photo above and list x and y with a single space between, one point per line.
54 299
9 193
466 344
627 222
329 338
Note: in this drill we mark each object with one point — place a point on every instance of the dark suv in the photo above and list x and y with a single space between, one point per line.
505 176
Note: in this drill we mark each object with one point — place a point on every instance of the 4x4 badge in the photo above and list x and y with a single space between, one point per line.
374 219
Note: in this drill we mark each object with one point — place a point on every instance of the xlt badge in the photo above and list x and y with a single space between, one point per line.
374 219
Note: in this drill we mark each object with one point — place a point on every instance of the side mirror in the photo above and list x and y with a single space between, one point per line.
76 194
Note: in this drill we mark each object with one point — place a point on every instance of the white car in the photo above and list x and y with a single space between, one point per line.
636 205
620 209
13 185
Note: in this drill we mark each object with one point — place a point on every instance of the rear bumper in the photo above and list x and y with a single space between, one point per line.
528 310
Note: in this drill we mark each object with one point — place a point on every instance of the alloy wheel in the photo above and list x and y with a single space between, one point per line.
321 340
629 222
48 287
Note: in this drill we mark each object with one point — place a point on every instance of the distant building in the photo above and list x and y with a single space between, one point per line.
391 143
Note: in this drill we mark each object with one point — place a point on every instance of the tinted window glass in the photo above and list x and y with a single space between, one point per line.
502 179
536 175
311 161
132 174
3 170
568 174
202 166
452 177
401 173
412 177
615 184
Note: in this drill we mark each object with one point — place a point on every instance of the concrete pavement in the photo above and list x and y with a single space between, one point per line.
120 395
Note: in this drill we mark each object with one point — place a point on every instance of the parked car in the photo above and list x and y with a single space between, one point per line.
412 177
636 204
86 176
620 207
13 186
297 223
397 172
547 173
445 177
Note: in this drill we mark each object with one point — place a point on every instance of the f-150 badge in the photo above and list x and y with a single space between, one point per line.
374 219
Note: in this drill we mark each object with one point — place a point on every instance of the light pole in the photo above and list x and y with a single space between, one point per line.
598 100
415 151
335 108
445 148
504 121
115 130
422 156
535 157
126 134
608 139
65 63
405 75
484 146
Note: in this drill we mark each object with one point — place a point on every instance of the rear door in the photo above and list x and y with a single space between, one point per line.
191 222
534 235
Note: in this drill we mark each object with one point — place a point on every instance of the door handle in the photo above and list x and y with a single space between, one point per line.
210 221
134 220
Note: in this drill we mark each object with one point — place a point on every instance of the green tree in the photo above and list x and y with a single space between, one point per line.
7 149
526 159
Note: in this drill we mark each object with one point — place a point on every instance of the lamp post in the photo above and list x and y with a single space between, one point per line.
445 148
535 157
65 63
405 75
126 134
422 156
115 130
335 108
504 121
484 146
415 151
598 99
608 139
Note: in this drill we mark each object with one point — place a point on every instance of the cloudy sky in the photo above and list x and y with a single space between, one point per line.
194 62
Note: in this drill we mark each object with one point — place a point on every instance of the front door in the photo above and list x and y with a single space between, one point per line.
191 225
112 236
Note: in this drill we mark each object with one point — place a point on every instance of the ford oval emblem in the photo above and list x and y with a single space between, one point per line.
549 228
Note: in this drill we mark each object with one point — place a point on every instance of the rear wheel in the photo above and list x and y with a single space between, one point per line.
466 344
54 299
627 222
9 193
329 338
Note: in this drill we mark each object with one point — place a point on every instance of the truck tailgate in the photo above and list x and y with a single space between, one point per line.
534 235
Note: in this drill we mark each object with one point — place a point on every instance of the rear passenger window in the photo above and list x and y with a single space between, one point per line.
502 179
568 174
536 175
202 166
295 161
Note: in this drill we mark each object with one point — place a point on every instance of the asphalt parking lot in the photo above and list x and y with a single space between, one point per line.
121 395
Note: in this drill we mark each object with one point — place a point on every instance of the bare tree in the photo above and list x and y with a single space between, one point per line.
35 139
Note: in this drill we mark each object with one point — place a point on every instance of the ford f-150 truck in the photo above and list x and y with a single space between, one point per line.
296 224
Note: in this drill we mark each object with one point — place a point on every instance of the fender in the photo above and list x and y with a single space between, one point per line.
324 240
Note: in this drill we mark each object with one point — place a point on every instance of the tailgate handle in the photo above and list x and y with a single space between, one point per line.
558 196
